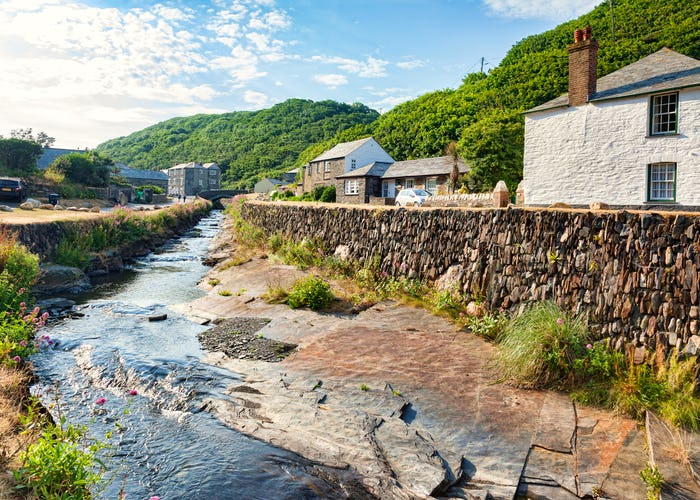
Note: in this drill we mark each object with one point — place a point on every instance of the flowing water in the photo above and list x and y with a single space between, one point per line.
162 443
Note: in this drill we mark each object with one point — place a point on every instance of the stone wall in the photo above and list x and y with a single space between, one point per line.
636 274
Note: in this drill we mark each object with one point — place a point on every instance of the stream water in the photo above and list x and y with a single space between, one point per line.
162 443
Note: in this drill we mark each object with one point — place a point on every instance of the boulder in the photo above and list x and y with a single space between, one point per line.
34 203
693 346
55 306
46 206
72 209
559 204
342 252
451 279
95 210
59 207
5 208
61 279
598 205
26 206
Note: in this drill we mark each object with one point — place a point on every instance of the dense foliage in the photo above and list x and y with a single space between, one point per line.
483 116
18 157
89 168
248 145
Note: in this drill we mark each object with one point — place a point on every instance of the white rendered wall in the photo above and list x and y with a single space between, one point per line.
367 153
600 152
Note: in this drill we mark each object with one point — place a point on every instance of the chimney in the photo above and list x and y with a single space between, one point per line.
583 67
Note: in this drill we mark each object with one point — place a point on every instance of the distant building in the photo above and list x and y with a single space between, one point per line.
137 177
50 154
189 179
266 185
290 176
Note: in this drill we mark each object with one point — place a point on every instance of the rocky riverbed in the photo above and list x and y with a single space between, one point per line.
403 398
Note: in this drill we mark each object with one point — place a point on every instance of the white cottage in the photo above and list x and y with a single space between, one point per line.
631 138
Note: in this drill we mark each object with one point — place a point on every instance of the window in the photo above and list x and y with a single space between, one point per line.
408 183
309 170
353 164
352 186
318 168
431 185
664 114
327 166
661 182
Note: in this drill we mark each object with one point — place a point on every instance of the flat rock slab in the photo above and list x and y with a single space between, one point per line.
623 479
669 450
405 399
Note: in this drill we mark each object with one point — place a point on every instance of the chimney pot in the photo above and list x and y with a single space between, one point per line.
578 35
583 62
587 33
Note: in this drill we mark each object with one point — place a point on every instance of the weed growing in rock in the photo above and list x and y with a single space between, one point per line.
488 326
225 293
364 387
653 479
312 292
214 281
275 294
538 348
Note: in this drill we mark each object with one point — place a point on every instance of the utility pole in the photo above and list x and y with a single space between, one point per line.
612 20
482 60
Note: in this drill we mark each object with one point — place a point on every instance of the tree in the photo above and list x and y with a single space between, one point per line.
18 157
25 134
90 168
451 150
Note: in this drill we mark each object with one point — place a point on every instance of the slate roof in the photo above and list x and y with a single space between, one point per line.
341 150
663 70
190 164
211 165
374 169
135 173
50 154
441 165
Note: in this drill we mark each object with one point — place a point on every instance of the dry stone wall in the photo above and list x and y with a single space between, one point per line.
635 274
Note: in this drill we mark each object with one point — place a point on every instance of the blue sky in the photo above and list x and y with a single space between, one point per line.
85 71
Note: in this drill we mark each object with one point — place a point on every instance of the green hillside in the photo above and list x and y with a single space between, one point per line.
484 114
246 144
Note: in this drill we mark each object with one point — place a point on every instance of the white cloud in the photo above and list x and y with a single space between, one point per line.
258 99
547 9
384 105
411 64
331 80
371 68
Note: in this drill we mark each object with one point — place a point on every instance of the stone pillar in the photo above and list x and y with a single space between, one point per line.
520 195
500 195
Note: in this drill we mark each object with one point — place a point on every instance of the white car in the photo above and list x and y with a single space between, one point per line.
412 197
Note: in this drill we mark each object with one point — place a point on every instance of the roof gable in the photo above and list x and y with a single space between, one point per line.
374 169
663 70
341 150
439 165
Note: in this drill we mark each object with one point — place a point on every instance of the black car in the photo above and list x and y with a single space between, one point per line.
12 188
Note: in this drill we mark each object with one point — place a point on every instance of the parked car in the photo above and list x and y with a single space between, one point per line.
12 188
412 197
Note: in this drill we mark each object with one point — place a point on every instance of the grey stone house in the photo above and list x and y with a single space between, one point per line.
342 158
137 177
189 179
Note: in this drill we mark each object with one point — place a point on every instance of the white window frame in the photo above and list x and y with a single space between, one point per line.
663 114
661 182
409 183
352 186
327 166
431 185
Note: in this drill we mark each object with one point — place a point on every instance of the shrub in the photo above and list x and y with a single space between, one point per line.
62 463
538 348
70 252
489 326
312 292
327 195
18 271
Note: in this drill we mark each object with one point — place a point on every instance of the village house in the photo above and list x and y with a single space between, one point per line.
266 185
628 139
137 177
342 158
190 179
380 182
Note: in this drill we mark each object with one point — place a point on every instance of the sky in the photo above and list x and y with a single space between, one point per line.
85 71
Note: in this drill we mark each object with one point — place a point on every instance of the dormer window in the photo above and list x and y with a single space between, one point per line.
664 114
353 164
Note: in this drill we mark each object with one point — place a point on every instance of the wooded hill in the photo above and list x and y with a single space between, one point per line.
246 144
483 115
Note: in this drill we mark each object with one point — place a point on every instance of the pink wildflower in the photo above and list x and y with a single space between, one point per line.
17 359
100 401
154 497
23 343
589 346
21 291
133 392
560 321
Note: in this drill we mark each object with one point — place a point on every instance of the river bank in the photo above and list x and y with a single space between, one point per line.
406 399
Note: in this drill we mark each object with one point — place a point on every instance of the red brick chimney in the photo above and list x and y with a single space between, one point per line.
583 67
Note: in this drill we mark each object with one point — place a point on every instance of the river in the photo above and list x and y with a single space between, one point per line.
162 443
